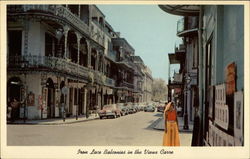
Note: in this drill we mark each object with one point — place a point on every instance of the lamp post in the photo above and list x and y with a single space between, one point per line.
88 86
188 80
64 91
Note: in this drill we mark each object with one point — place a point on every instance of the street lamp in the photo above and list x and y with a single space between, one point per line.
64 91
188 80
88 86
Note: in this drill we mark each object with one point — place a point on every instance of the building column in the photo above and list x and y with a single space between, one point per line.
79 11
97 61
103 64
85 101
79 36
66 30
89 53
26 35
96 95
102 102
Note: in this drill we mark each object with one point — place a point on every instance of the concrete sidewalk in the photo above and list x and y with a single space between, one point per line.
160 125
57 121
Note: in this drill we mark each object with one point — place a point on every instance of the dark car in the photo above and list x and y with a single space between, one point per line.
110 110
160 108
149 109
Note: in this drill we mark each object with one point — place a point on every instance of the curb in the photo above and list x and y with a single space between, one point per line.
180 130
63 123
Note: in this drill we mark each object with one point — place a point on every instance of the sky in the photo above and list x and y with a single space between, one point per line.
149 30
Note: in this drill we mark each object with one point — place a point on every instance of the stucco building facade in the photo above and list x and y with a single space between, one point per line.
66 57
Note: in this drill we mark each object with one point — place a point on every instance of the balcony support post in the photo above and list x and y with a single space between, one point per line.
79 36
103 62
89 53
79 11
66 30
97 60
102 94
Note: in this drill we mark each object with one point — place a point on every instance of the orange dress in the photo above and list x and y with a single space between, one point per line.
171 137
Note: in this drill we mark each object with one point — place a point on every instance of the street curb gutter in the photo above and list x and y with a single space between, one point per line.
180 130
64 123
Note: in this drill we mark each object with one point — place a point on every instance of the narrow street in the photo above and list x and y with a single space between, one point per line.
131 130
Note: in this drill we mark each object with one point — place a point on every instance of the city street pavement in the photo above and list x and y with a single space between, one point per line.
160 124
57 121
131 130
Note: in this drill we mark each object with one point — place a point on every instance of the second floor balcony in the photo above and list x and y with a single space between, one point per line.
58 11
32 63
187 26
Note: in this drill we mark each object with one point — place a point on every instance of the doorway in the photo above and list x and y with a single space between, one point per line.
50 98
14 92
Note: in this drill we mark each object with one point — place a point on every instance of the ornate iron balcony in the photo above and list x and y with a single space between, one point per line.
57 10
187 25
45 62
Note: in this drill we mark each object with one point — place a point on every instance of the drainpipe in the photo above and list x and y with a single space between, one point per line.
200 80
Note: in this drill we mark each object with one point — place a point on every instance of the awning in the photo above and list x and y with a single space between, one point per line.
182 10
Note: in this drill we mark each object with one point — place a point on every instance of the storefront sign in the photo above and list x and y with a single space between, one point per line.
40 102
221 109
31 99
230 79
238 116
109 91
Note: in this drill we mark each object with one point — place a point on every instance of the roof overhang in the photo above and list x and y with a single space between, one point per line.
176 58
182 10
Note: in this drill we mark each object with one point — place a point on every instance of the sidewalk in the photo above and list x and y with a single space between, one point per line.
57 121
160 125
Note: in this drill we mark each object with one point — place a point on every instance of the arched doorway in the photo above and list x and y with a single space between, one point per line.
51 98
14 92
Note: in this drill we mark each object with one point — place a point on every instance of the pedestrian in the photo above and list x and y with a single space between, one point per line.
9 110
171 133
14 109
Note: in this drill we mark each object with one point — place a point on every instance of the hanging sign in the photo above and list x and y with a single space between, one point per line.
238 117
31 99
221 109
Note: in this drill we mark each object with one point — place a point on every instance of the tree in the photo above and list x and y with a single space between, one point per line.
159 90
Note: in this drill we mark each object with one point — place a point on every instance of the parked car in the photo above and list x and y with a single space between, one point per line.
131 110
124 110
110 110
141 108
135 107
160 108
149 109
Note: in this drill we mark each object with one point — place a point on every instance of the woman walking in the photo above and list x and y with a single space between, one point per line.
171 134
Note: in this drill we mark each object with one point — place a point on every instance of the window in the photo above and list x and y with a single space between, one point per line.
15 42
48 45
